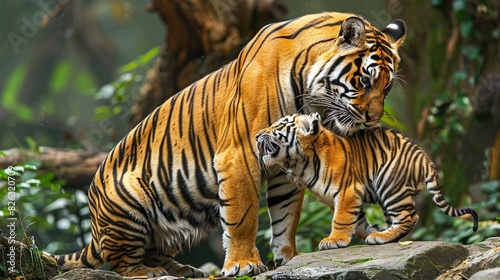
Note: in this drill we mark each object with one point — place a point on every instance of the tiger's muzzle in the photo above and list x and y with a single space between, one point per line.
267 145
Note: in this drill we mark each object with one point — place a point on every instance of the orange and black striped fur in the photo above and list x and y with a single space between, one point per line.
374 165
191 165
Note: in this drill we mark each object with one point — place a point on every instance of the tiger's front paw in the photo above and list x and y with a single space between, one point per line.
283 254
186 271
333 243
248 267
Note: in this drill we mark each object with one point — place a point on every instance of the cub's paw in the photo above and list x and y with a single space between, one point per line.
333 243
248 267
283 254
379 238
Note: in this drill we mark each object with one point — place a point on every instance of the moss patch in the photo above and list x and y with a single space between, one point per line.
356 261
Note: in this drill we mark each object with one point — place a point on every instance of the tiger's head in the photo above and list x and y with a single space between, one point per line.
349 81
288 142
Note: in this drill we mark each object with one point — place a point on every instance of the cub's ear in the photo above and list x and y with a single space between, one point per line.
312 124
353 32
396 32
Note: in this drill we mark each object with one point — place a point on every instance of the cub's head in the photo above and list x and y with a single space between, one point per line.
286 143
348 82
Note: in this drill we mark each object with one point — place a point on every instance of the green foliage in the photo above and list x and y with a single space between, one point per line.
41 203
117 93
389 118
315 224
28 262
61 76
121 92
457 55
244 278
11 91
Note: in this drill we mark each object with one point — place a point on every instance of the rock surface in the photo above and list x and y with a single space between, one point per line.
417 260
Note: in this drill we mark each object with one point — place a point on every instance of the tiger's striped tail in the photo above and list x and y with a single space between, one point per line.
437 197
88 257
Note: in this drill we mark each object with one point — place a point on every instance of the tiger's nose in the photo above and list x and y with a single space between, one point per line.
372 117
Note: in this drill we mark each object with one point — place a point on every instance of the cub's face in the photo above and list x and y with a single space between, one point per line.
349 83
286 142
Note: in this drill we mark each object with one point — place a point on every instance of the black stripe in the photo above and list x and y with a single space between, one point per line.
311 24
275 200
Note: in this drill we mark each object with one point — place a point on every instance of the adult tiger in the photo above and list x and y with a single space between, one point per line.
192 165
375 165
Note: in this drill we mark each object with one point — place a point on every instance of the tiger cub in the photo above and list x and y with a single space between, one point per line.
375 165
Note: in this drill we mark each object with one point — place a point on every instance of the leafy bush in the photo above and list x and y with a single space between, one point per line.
43 208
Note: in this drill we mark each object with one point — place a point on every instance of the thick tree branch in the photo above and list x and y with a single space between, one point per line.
77 167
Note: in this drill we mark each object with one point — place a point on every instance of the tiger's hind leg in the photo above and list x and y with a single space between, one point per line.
155 258
401 222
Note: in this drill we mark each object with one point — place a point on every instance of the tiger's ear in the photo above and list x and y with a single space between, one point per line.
353 32
396 32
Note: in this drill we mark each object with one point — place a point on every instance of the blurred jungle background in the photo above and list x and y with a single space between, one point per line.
75 76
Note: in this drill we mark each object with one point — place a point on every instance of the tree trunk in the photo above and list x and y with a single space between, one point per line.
494 172
201 36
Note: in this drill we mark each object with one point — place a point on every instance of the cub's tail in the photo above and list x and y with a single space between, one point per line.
437 197
88 257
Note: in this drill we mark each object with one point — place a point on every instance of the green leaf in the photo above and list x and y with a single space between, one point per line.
314 218
105 92
472 52
466 28
10 92
140 61
84 82
129 67
436 3
23 112
102 112
147 57
18 168
32 145
475 238
60 76
244 278
490 187
12 86
459 76
33 182
459 5
30 167
117 110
